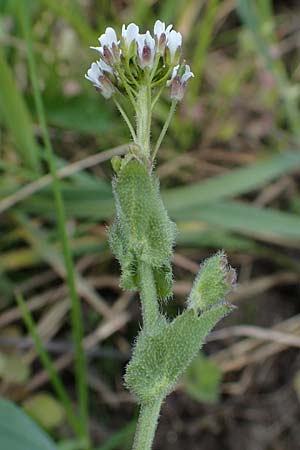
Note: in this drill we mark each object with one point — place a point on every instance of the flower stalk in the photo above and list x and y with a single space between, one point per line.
143 118
142 235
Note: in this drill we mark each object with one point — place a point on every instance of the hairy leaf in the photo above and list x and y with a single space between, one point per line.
142 229
160 358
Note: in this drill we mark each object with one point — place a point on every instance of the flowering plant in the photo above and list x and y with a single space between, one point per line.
138 67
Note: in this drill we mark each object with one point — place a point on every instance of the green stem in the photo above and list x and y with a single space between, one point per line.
146 425
125 117
127 87
149 301
143 118
157 96
164 129
76 316
149 412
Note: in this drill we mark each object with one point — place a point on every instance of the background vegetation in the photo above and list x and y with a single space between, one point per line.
229 170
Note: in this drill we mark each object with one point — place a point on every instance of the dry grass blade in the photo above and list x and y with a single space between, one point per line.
67 171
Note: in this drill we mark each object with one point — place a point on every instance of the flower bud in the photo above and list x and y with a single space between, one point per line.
173 49
161 34
116 163
101 82
109 50
178 82
146 50
215 279
122 62
129 40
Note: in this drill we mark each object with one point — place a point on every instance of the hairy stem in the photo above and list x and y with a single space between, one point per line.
149 412
143 118
146 425
150 307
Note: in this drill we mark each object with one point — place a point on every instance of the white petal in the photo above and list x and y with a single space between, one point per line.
131 33
109 37
168 29
174 41
187 74
140 44
98 49
159 28
93 74
111 34
104 67
175 70
150 41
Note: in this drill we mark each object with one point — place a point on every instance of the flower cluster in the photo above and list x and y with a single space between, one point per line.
138 58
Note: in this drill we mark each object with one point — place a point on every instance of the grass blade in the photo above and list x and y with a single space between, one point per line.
76 316
95 202
203 42
238 181
267 224
53 375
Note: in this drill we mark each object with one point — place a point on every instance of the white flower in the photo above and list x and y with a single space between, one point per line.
174 42
184 76
108 38
161 34
187 74
160 29
179 81
146 50
130 34
158 54
109 50
99 80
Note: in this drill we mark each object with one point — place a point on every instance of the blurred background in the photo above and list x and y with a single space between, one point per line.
229 171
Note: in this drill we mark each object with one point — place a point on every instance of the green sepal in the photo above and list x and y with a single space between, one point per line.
142 230
161 357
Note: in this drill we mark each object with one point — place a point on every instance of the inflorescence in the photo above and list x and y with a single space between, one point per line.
136 59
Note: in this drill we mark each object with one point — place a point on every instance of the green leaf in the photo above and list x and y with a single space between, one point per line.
19 432
238 181
160 358
67 114
97 202
265 223
142 229
45 410
202 380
